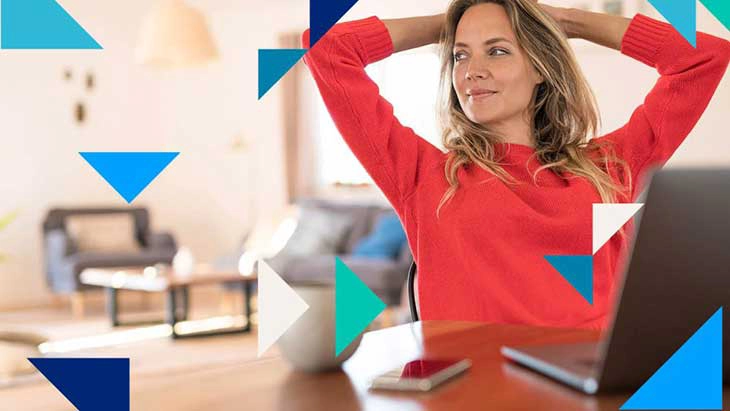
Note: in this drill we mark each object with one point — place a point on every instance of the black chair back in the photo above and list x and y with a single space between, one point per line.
411 291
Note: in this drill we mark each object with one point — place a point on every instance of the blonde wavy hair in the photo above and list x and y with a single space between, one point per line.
563 106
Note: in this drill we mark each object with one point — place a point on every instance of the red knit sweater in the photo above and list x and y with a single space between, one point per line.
483 260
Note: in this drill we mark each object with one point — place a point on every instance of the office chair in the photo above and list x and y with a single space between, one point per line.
411 292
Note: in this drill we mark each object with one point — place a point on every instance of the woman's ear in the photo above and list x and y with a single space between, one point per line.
539 79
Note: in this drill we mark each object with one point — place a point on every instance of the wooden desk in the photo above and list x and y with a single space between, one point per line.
270 384
491 384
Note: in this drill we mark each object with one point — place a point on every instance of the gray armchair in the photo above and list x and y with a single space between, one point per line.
64 262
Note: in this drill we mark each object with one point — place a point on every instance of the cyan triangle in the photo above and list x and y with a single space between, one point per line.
355 306
720 9
129 172
323 14
41 24
274 64
682 14
89 383
578 270
691 378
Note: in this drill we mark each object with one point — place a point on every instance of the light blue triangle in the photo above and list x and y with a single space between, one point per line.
129 172
691 378
41 24
274 64
355 306
577 270
323 14
682 14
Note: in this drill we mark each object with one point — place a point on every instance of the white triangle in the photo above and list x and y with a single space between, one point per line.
608 219
279 306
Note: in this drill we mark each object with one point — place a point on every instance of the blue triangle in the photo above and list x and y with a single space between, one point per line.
90 384
129 172
274 64
355 306
41 24
682 14
691 378
578 270
323 14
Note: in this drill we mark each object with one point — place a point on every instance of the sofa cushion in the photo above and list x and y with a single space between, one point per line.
385 241
103 232
318 231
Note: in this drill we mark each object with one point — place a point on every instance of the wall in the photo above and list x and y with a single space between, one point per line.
208 196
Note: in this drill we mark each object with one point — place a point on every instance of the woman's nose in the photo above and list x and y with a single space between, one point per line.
476 70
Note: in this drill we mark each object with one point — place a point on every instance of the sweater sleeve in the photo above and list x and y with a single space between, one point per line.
392 154
688 80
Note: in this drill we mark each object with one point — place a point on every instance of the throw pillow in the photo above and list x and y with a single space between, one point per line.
385 241
103 232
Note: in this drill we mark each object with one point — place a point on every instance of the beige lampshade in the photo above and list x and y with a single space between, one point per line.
174 34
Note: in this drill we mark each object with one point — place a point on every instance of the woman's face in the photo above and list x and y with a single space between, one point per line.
492 75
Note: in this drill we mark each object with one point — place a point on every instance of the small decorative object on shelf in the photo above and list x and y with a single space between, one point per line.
183 263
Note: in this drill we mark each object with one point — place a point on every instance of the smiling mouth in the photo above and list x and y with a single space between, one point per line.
482 96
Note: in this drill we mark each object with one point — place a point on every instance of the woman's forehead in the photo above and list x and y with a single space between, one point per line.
483 22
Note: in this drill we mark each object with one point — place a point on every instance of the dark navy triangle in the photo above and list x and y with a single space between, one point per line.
323 14
90 384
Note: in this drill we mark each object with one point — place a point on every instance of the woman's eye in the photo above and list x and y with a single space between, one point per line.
457 55
498 52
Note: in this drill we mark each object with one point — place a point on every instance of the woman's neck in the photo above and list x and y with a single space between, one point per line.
514 132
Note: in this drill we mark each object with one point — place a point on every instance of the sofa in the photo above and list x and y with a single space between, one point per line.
384 276
65 260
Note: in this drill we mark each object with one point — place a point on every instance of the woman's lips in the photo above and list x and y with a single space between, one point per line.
482 96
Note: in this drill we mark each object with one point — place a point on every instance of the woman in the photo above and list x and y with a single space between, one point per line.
519 176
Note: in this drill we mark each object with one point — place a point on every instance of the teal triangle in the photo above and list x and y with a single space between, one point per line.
274 64
41 24
577 270
129 172
691 378
720 9
355 306
682 14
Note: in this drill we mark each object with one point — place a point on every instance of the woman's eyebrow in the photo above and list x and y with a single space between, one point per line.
486 43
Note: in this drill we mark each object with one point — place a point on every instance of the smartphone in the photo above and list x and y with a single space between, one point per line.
421 375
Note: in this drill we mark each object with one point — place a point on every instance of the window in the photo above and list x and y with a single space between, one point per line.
409 81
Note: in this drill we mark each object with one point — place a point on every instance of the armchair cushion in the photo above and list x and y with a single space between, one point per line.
103 232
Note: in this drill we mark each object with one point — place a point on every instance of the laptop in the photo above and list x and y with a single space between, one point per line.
677 277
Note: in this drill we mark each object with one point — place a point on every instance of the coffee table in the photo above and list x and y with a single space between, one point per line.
177 290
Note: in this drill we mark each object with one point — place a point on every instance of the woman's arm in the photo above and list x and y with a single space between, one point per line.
412 32
604 29
393 154
688 78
